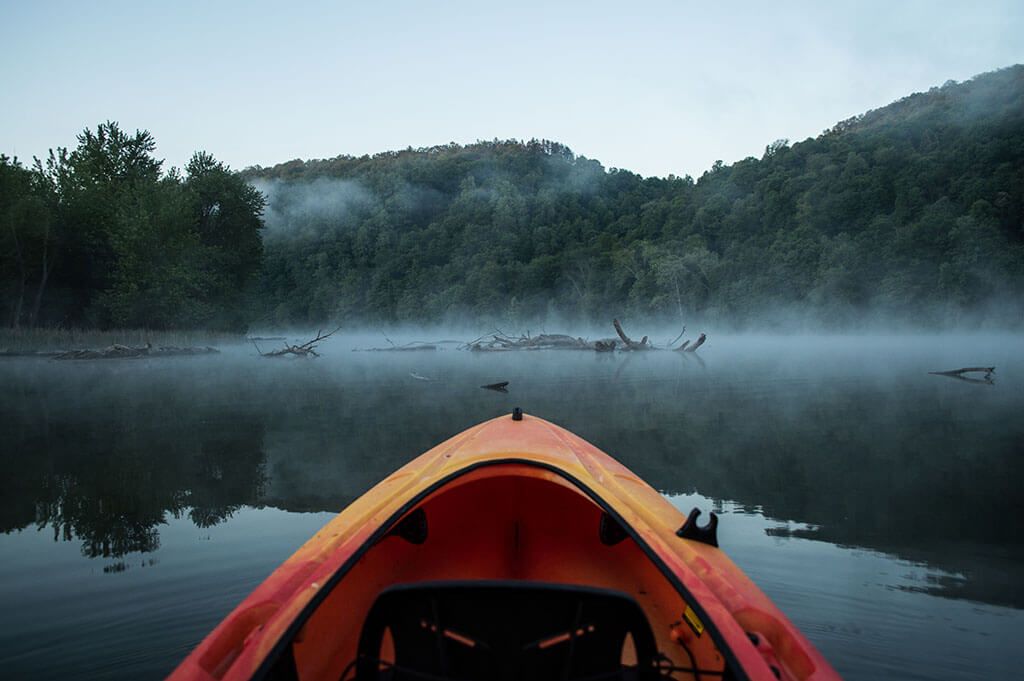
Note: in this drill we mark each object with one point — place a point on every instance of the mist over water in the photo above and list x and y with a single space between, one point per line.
876 503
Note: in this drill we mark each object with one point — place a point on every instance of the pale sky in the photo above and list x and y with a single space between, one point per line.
652 87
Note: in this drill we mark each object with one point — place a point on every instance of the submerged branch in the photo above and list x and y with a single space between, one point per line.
959 374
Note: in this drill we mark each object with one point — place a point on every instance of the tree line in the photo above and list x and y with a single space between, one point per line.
914 211
99 236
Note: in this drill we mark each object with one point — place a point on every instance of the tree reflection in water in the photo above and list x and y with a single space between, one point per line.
111 483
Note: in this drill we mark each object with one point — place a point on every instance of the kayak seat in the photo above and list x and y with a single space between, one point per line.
505 631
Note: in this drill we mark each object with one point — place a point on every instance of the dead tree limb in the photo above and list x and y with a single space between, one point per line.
678 337
630 343
304 350
686 347
622 334
700 342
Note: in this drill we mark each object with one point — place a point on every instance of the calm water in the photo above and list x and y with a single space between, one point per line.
879 506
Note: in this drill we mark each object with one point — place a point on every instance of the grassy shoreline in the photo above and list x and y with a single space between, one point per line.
42 339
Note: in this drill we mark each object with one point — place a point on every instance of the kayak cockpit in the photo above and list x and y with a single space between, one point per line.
504 630
509 568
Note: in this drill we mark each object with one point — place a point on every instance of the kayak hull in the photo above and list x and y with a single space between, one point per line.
512 501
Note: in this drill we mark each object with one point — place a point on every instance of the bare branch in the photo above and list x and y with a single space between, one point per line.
303 350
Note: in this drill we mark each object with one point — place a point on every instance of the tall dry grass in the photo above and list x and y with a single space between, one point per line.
46 339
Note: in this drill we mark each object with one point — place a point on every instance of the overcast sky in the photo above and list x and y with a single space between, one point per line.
653 87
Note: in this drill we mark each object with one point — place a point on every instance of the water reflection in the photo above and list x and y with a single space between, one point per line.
864 451
860 486
849 600
108 472
111 493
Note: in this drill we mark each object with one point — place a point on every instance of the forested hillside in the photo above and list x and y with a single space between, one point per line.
914 211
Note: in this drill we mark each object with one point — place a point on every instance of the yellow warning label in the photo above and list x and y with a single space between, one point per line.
691 618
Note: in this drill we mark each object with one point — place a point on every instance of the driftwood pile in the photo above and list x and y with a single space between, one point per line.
630 344
500 342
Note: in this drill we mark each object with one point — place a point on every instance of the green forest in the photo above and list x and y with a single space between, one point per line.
913 212
100 237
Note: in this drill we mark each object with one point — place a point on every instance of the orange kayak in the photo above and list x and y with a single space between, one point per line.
514 550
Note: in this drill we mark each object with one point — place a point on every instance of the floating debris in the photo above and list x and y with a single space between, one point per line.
497 387
988 379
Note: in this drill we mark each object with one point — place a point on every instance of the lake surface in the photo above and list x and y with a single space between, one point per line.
881 507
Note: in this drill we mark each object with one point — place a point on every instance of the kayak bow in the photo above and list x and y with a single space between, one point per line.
514 550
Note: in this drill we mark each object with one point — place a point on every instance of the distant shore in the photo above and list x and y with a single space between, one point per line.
52 340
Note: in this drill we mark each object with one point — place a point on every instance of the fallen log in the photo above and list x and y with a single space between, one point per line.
500 342
414 346
700 342
546 341
118 351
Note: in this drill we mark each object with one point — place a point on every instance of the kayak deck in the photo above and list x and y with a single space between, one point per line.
553 538
520 534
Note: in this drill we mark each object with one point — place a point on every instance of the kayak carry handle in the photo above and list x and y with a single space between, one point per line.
708 534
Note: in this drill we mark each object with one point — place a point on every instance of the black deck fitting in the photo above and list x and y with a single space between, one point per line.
707 534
